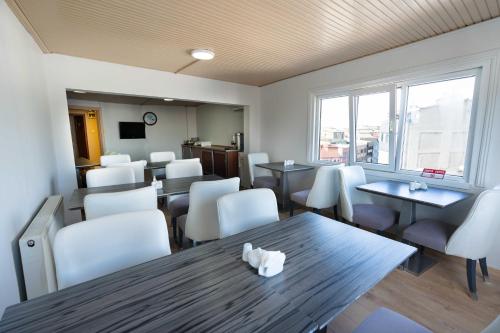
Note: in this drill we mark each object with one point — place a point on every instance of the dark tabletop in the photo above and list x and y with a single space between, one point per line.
155 165
432 196
209 288
170 187
280 167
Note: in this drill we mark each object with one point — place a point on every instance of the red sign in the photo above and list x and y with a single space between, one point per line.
433 173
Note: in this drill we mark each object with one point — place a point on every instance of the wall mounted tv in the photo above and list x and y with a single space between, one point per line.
132 130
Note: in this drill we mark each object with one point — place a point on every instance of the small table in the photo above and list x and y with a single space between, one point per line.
170 187
435 197
156 165
328 266
284 170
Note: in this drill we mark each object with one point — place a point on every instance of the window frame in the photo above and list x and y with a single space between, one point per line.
480 128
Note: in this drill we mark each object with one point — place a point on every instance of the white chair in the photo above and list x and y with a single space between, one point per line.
103 204
138 167
178 205
110 176
473 239
113 159
202 222
162 156
323 194
358 207
88 250
260 177
246 210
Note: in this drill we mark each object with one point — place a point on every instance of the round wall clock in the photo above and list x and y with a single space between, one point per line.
150 118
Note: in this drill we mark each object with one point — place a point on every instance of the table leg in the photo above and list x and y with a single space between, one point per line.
82 213
284 190
418 263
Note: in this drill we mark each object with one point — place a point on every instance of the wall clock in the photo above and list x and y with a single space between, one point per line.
150 118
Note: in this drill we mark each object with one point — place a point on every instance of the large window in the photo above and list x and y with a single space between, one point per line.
401 127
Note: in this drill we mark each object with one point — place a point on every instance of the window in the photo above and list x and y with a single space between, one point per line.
401 127
334 133
438 116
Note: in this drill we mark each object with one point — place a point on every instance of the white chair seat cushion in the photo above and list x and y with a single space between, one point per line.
430 233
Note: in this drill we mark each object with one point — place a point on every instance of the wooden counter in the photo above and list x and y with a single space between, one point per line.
218 160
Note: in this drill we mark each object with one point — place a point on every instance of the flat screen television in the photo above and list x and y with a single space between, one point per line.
132 130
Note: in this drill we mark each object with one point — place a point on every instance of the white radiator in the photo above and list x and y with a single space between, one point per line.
36 248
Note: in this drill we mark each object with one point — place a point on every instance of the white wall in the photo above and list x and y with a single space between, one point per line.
284 122
218 123
171 129
27 174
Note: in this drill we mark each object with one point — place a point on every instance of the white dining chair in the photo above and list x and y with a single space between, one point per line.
245 210
178 205
323 194
260 177
103 204
110 176
473 240
138 167
91 249
357 206
201 223
113 159
162 156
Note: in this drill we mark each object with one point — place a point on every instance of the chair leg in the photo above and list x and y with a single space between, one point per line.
174 228
484 269
471 278
335 212
291 208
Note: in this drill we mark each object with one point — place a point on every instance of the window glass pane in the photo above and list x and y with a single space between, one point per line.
372 128
437 125
334 134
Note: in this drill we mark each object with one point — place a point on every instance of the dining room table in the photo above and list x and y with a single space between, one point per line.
284 170
432 196
169 187
209 288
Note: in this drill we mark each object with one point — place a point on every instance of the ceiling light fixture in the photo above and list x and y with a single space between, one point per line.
79 92
202 54
168 99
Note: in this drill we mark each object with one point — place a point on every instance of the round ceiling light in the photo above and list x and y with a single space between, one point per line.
202 54
168 99
79 92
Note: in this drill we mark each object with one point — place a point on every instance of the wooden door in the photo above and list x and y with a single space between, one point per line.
81 136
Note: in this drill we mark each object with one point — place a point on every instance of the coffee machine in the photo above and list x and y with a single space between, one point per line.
238 141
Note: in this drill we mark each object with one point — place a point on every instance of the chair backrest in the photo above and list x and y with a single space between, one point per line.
110 176
162 156
113 159
350 177
475 237
138 167
103 204
254 171
196 159
202 222
183 169
326 188
87 250
246 210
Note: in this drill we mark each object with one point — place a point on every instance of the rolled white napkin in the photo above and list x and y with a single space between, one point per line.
268 263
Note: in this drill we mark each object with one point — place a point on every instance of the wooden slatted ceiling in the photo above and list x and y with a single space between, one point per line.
256 42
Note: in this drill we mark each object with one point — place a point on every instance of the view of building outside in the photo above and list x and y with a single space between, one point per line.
437 126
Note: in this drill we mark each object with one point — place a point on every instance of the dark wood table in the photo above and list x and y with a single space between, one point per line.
210 289
435 197
155 165
284 170
170 187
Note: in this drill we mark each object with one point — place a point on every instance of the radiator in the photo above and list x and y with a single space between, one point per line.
36 248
